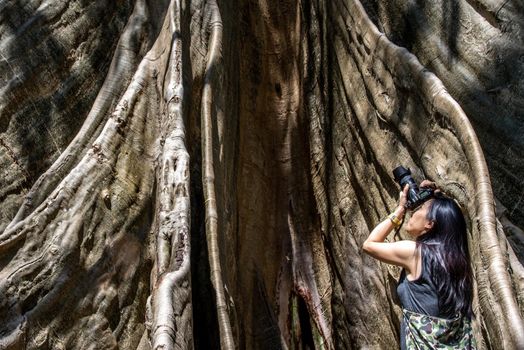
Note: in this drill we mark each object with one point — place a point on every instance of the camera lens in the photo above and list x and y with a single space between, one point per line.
403 177
400 172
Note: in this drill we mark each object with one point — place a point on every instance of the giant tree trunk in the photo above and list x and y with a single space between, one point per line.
189 174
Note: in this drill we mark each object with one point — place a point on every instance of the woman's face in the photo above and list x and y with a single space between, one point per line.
418 223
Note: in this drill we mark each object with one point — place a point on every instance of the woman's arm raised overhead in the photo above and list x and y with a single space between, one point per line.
400 253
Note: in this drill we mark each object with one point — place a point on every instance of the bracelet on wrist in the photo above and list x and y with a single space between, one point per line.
394 220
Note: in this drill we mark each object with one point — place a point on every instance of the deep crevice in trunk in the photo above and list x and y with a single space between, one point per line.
233 162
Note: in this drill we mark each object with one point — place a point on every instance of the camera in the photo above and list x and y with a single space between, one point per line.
416 196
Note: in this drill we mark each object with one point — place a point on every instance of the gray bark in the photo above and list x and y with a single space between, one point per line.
183 174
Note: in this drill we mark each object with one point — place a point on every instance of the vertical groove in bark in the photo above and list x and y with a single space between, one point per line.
211 83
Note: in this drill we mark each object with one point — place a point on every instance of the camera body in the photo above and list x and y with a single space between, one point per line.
416 196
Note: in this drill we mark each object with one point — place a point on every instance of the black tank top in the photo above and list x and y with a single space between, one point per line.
419 295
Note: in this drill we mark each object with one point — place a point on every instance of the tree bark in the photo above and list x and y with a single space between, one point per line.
191 174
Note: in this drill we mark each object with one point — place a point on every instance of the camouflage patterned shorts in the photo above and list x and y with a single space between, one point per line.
427 332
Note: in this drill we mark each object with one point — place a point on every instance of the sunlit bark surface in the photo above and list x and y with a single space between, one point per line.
187 174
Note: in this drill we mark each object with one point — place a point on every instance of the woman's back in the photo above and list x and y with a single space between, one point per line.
420 295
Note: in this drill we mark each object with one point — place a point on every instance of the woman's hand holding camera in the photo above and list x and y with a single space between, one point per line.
397 216
402 201
430 184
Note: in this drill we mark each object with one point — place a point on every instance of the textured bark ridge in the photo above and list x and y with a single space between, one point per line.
189 174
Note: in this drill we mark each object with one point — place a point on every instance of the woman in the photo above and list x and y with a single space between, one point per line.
436 280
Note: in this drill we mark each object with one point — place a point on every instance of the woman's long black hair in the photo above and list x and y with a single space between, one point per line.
445 248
